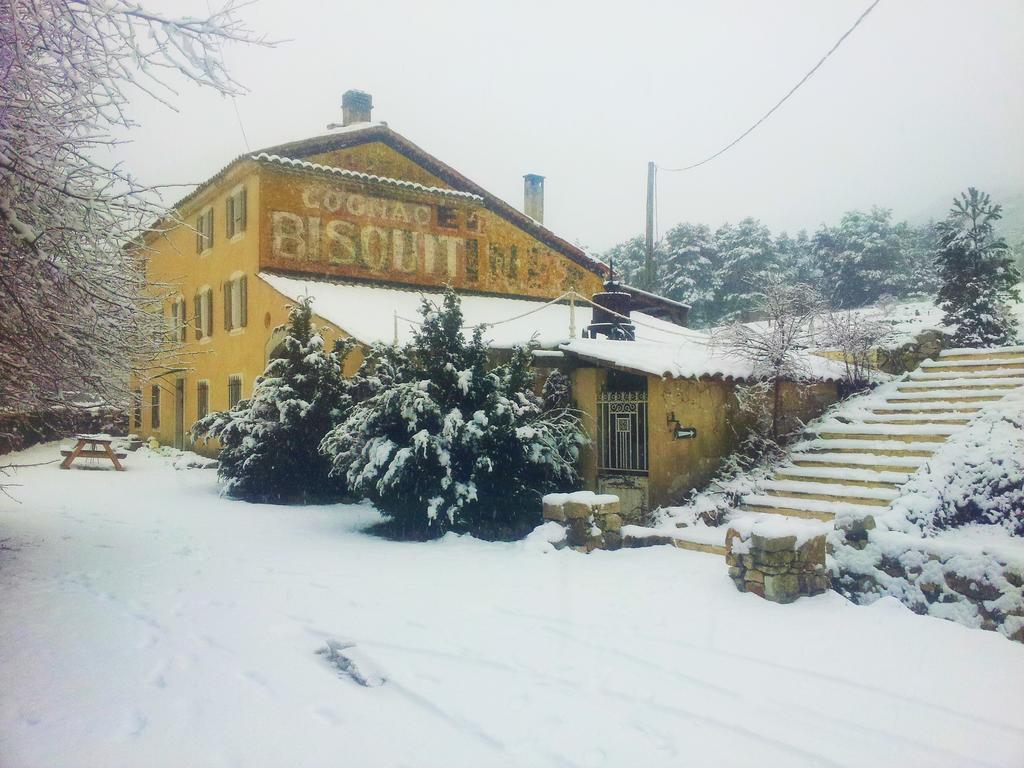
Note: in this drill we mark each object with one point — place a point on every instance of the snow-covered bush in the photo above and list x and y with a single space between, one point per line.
443 443
979 279
557 391
269 443
978 478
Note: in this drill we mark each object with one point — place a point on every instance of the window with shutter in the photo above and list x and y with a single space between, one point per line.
234 390
208 312
181 319
229 216
243 300
240 211
154 414
209 228
228 316
199 316
202 399
137 408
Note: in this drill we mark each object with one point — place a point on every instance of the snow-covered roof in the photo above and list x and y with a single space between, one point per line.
368 313
682 356
403 183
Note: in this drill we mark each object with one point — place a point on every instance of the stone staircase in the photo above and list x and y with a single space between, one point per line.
856 467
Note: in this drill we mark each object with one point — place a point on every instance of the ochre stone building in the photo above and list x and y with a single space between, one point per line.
366 222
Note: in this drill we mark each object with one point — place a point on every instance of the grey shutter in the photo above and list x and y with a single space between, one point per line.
243 292
227 305
209 227
208 317
242 216
199 316
229 215
199 234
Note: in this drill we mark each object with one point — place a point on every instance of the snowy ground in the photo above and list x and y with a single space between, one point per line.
146 621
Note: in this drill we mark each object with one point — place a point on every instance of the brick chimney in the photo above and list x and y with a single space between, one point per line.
533 196
356 107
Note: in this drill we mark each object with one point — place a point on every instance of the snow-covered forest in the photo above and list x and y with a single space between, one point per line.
865 257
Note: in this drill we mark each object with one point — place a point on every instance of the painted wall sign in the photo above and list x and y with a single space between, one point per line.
355 230
685 433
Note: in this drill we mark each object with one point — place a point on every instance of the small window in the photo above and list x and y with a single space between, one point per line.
236 300
234 390
446 217
235 213
204 313
202 399
154 408
137 408
178 320
204 231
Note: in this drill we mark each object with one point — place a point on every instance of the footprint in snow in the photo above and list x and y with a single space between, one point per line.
352 663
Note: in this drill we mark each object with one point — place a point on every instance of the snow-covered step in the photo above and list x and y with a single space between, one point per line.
998 373
861 460
848 493
937 417
845 475
968 353
904 432
916 406
989 382
979 364
810 508
947 395
879 446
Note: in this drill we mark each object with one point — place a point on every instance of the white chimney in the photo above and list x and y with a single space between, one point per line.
533 196
356 107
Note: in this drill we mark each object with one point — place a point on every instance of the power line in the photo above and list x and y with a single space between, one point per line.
781 101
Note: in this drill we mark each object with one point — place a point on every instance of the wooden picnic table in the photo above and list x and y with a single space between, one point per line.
92 447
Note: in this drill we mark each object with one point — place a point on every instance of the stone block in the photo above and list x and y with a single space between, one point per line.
780 558
607 508
779 544
578 532
755 575
735 573
781 588
574 510
612 540
812 551
756 587
1016 578
976 590
554 512
609 522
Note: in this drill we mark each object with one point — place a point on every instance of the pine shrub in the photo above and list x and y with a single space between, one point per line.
269 442
442 442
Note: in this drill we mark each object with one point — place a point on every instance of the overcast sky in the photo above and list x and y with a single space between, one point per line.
923 99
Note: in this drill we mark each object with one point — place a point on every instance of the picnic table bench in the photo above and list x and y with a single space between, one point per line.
92 447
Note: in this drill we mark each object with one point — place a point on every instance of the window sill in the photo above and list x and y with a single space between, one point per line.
237 331
236 237
206 340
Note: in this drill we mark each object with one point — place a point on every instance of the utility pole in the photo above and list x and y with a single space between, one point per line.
649 262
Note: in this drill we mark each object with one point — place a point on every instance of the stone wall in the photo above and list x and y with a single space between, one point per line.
591 520
964 583
779 562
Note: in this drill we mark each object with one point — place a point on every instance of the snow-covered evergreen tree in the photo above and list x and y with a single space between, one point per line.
977 271
270 442
689 259
629 260
746 257
860 259
450 444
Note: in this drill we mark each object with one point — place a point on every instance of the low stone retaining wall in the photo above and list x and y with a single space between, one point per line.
591 520
777 560
961 582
